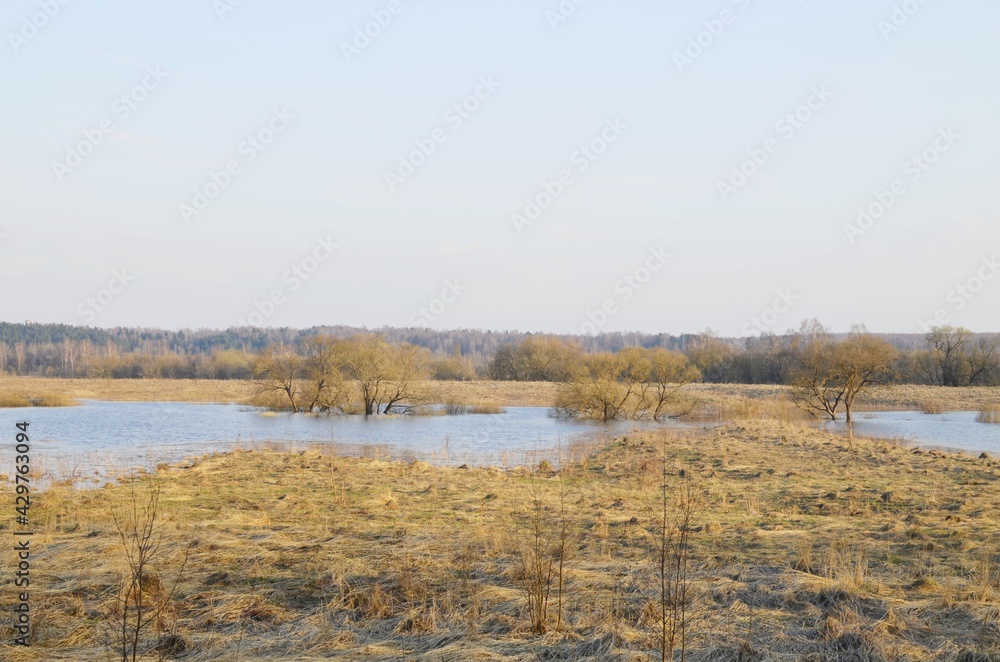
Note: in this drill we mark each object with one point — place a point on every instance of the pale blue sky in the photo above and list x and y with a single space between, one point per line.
655 186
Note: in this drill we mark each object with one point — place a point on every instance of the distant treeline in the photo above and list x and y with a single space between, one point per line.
946 356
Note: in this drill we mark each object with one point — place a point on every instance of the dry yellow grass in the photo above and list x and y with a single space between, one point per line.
932 406
9 399
806 549
23 398
131 390
910 397
905 397
501 394
990 414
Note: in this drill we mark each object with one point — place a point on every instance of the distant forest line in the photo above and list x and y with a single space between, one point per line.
945 356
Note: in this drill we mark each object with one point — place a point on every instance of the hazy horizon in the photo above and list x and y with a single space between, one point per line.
782 333
521 166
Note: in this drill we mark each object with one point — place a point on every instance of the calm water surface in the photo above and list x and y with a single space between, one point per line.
102 439
956 430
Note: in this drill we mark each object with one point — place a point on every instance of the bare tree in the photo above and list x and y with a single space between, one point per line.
141 598
669 373
70 354
672 526
814 382
20 356
709 355
503 367
563 549
948 345
830 373
408 366
861 361
535 359
277 378
635 383
984 361
535 552
599 393
325 387
369 364
87 352
364 374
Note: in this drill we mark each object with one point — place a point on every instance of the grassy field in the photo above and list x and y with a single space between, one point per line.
707 398
906 397
504 394
803 548
129 390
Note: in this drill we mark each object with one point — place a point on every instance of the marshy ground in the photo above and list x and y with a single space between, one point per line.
805 547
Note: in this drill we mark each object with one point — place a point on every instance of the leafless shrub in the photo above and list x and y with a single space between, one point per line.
543 547
141 601
454 408
672 524
537 566
566 537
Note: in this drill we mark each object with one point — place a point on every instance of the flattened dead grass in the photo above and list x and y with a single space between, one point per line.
805 549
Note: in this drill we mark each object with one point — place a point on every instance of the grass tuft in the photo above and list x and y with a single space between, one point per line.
456 408
989 415
487 408
932 406
51 400
13 400
10 400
